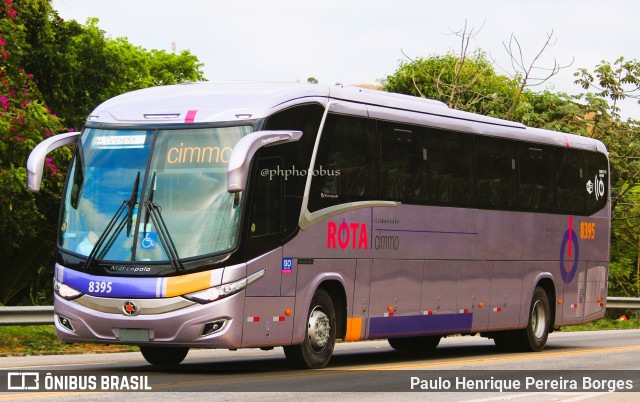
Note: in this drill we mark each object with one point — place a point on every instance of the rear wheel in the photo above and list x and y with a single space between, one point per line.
164 356
534 337
420 344
320 338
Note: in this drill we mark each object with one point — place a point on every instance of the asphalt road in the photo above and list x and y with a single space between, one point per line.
360 371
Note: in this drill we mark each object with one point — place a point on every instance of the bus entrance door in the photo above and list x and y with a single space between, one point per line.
357 321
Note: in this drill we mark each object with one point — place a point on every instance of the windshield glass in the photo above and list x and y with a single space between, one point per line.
180 207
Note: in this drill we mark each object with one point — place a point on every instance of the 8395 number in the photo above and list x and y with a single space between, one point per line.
588 230
100 287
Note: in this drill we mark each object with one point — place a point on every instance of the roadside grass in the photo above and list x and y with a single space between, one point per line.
41 339
605 324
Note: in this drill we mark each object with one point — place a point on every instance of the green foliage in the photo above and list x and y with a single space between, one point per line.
78 67
472 85
24 122
607 323
47 61
41 340
609 83
616 81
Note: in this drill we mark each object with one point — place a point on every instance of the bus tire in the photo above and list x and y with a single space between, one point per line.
164 356
534 337
421 344
320 338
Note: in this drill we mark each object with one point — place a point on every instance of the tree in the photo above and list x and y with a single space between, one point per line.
530 74
617 81
475 84
47 61
24 121
78 66
465 81
612 83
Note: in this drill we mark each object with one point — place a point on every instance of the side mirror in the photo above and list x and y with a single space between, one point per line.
35 163
243 151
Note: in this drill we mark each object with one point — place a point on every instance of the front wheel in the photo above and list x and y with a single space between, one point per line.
164 356
320 338
534 337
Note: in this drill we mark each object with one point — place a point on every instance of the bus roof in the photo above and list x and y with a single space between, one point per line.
208 102
203 102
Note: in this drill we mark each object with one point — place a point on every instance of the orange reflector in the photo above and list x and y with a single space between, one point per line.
390 308
599 299
480 304
559 301
288 311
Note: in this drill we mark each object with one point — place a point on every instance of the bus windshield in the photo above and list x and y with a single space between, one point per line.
151 195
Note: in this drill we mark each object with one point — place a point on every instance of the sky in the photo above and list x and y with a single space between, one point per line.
363 41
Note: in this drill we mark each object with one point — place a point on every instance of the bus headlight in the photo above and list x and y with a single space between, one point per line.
224 290
64 291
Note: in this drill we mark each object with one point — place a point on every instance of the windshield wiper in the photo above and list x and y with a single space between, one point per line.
132 203
108 231
154 211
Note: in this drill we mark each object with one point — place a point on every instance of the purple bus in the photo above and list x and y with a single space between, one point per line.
260 215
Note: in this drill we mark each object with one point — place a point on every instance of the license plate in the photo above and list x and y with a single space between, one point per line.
133 335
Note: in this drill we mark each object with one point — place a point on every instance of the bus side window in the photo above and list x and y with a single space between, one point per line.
266 208
345 168
570 196
496 173
404 173
451 164
596 182
536 188
296 156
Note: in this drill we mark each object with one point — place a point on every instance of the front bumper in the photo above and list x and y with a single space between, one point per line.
184 326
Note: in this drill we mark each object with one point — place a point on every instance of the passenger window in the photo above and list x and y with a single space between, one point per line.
571 183
266 213
496 173
596 182
451 163
345 167
536 184
404 172
296 156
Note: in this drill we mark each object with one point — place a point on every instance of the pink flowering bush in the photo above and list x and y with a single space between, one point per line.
25 227
72 68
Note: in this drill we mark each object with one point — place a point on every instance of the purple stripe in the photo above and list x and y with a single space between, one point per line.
382 327
111 286
426 231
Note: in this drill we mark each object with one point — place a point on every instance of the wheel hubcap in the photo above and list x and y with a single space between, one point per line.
538 319
319 329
